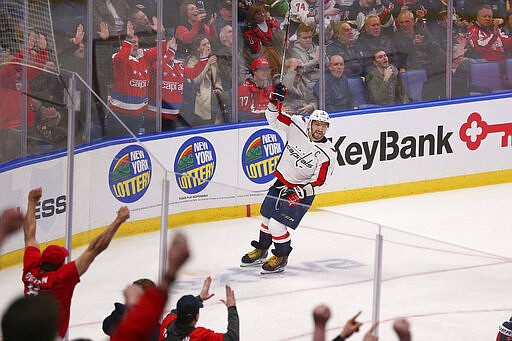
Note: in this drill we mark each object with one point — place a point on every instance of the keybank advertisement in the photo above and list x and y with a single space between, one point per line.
233 167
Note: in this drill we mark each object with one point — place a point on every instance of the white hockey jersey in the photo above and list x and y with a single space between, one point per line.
303 162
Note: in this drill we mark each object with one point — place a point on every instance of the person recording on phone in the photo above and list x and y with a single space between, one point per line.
193 21
384 81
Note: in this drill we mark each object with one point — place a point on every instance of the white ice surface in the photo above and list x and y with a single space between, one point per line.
447 267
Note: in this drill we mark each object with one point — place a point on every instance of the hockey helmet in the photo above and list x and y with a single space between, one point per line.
320 116
259 63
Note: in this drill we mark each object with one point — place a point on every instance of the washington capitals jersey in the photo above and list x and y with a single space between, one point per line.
129 93
303 161
174 73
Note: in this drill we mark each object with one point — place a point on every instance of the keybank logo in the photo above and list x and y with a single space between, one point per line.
475 130
130 174
391 146
260 155
195 165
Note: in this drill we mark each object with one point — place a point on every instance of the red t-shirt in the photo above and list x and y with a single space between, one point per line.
60 283
198 334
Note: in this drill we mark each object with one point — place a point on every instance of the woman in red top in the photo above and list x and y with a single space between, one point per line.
192 23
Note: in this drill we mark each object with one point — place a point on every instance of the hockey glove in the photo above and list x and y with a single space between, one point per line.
297 195
278 93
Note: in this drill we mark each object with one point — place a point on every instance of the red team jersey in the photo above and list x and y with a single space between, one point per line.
174 73
140 321
10 91
253 99
129 93
198 334
256 38
489 44
60 283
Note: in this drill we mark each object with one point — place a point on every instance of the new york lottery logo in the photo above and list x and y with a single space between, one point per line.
130 174
261 154
195 165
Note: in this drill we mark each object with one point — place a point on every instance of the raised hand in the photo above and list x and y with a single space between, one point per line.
35 194
79 35
103 32
171 44
230 297
123 214
205 290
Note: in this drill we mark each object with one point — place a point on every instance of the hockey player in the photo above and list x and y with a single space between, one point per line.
305 164
253 94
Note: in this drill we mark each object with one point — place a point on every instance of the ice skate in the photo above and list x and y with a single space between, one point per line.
274 264
255 257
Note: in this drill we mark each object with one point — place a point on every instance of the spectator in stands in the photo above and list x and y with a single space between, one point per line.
416 48
225 15
145 29
321 315
507 27
337 93
308 12
356 14
384 82
253 94
472 7
181 323
344 45
306 51
402 330
69 18
11 105
373 39
141 320
114 14
46 272
300 98
129 95
111 322
201 94
435 87
31 318
224 52
486 39
192 23
10 221
174 73
261 35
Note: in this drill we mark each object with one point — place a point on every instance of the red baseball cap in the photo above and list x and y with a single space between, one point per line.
54 254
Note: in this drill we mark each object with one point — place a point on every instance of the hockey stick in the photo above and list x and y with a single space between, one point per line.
286 37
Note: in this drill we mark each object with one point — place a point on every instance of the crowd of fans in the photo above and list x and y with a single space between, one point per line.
372 40
42 313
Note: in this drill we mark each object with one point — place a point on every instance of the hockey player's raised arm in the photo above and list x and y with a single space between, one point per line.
275 117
